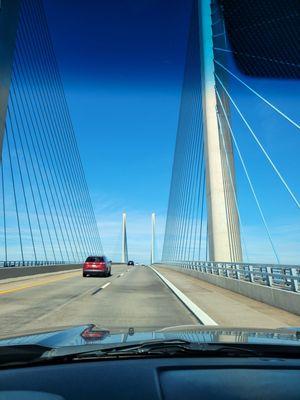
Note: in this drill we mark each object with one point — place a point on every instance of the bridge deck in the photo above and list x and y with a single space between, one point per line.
226 307
134 297
131 297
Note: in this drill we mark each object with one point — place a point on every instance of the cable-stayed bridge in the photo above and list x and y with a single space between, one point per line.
233 214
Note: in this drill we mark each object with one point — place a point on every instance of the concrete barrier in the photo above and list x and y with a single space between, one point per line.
15 272
288 301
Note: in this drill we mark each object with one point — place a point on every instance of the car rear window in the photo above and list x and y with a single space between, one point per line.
95 259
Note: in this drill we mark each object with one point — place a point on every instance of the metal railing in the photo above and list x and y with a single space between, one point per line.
7 264
286 277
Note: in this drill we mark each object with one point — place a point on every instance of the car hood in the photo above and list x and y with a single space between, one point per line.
90 334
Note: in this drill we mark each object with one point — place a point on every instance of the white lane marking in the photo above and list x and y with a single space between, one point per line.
75 298
200 314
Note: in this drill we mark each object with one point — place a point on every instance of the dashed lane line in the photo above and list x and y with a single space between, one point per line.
75 298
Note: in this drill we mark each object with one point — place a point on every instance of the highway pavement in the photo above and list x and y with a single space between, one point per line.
131 297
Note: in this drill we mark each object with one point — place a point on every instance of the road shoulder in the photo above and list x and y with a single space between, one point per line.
228 308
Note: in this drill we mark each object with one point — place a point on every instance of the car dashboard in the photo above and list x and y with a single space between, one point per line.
155 378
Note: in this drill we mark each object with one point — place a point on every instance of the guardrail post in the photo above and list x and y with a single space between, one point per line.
269 277
227 271
251 275
237 272
295 283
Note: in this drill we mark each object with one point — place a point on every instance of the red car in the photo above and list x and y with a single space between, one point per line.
96 266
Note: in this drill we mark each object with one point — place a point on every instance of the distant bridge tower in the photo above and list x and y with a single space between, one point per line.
124 258
9 15
223 236
153 221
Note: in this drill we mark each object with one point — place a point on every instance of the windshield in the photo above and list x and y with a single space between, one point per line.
150 171
95 259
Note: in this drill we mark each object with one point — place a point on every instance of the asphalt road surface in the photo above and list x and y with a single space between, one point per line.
131 297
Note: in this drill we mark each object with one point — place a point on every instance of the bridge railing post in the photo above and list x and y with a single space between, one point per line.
295 282
251 275
269 277
227 273
237 271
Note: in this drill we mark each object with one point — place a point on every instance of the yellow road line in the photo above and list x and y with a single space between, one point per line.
39 283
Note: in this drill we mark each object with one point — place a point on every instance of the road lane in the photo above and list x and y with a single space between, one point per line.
19 308
16 286
130 297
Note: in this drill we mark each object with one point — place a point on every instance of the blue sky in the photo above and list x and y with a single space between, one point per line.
122 68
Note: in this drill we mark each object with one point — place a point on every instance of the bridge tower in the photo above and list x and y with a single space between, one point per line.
223 222
153 222
124 258
9 15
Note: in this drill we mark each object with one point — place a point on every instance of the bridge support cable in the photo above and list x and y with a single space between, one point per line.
195 201
281 113
33 154
63 112
4 215
172 216
67 166
63 117
28 166
283 181
202 202
196 205
186 192
192 176
181 184
169 248
225 152
78 175
57 146
22 183
27 66
248 176
41 170
187 185
20 237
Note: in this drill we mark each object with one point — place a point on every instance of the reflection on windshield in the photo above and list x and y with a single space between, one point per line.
165 139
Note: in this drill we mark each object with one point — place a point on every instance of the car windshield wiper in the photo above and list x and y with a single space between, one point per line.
124 348
166 348
177 348
11 356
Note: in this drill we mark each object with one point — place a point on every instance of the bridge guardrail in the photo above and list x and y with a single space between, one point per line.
9 264
286 277
16 269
